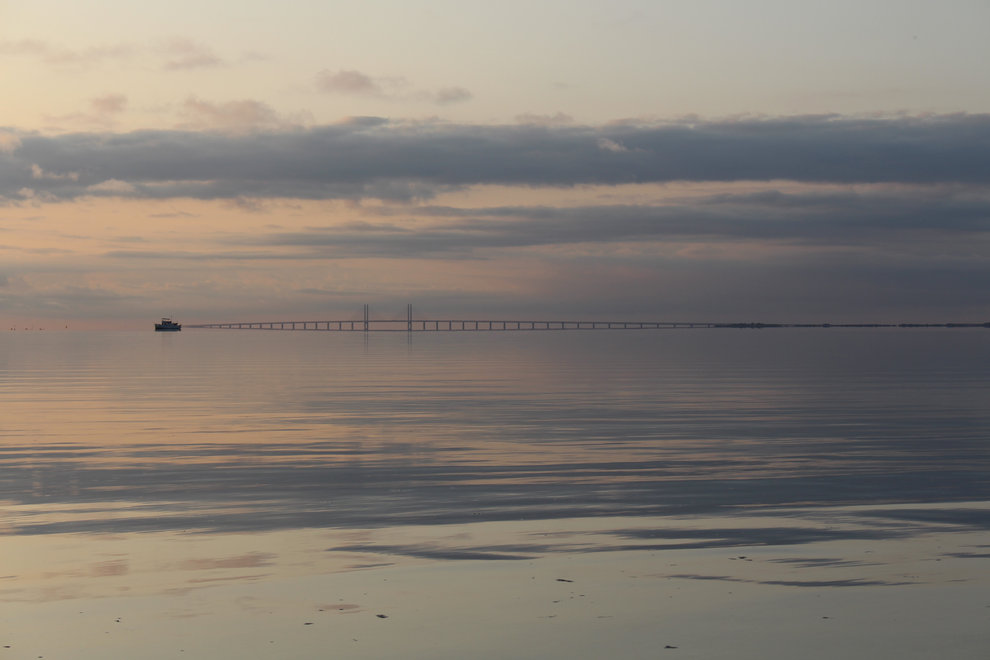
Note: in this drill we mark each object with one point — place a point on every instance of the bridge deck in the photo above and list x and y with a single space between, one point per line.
409 324
446 325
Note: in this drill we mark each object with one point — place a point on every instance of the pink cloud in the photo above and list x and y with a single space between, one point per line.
231 114
184 53
357 83
347 82
109 104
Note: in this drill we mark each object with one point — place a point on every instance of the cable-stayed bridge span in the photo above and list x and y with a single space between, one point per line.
411 324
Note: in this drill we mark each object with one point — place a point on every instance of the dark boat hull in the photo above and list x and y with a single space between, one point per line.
167 325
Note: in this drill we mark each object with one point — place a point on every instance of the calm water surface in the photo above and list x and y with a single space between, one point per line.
222 431
221 495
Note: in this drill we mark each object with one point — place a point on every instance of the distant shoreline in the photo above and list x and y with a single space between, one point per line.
850 325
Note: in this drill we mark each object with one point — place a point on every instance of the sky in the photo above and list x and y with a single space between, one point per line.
710 160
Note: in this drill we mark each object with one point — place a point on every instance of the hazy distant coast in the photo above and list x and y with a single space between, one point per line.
850 325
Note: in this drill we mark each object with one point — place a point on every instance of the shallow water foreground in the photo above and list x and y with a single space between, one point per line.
667 494
821 584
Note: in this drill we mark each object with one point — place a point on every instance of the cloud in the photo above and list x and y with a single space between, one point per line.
65 57
396 160
38 173
175 54
919 239
611 145
36 197
451 95
242 114
348 82
248 204
928 224
558 119
184 54
24 47
9 142
109 104
789 218
112 187
357 83
103 114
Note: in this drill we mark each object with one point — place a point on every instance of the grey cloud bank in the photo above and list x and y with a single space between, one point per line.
884 222
376 158
819 219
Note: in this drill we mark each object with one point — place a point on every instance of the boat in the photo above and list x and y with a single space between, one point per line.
167 325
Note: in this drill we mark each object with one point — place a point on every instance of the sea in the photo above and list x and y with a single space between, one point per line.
125 455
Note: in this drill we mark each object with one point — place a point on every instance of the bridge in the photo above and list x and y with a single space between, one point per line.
409 324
